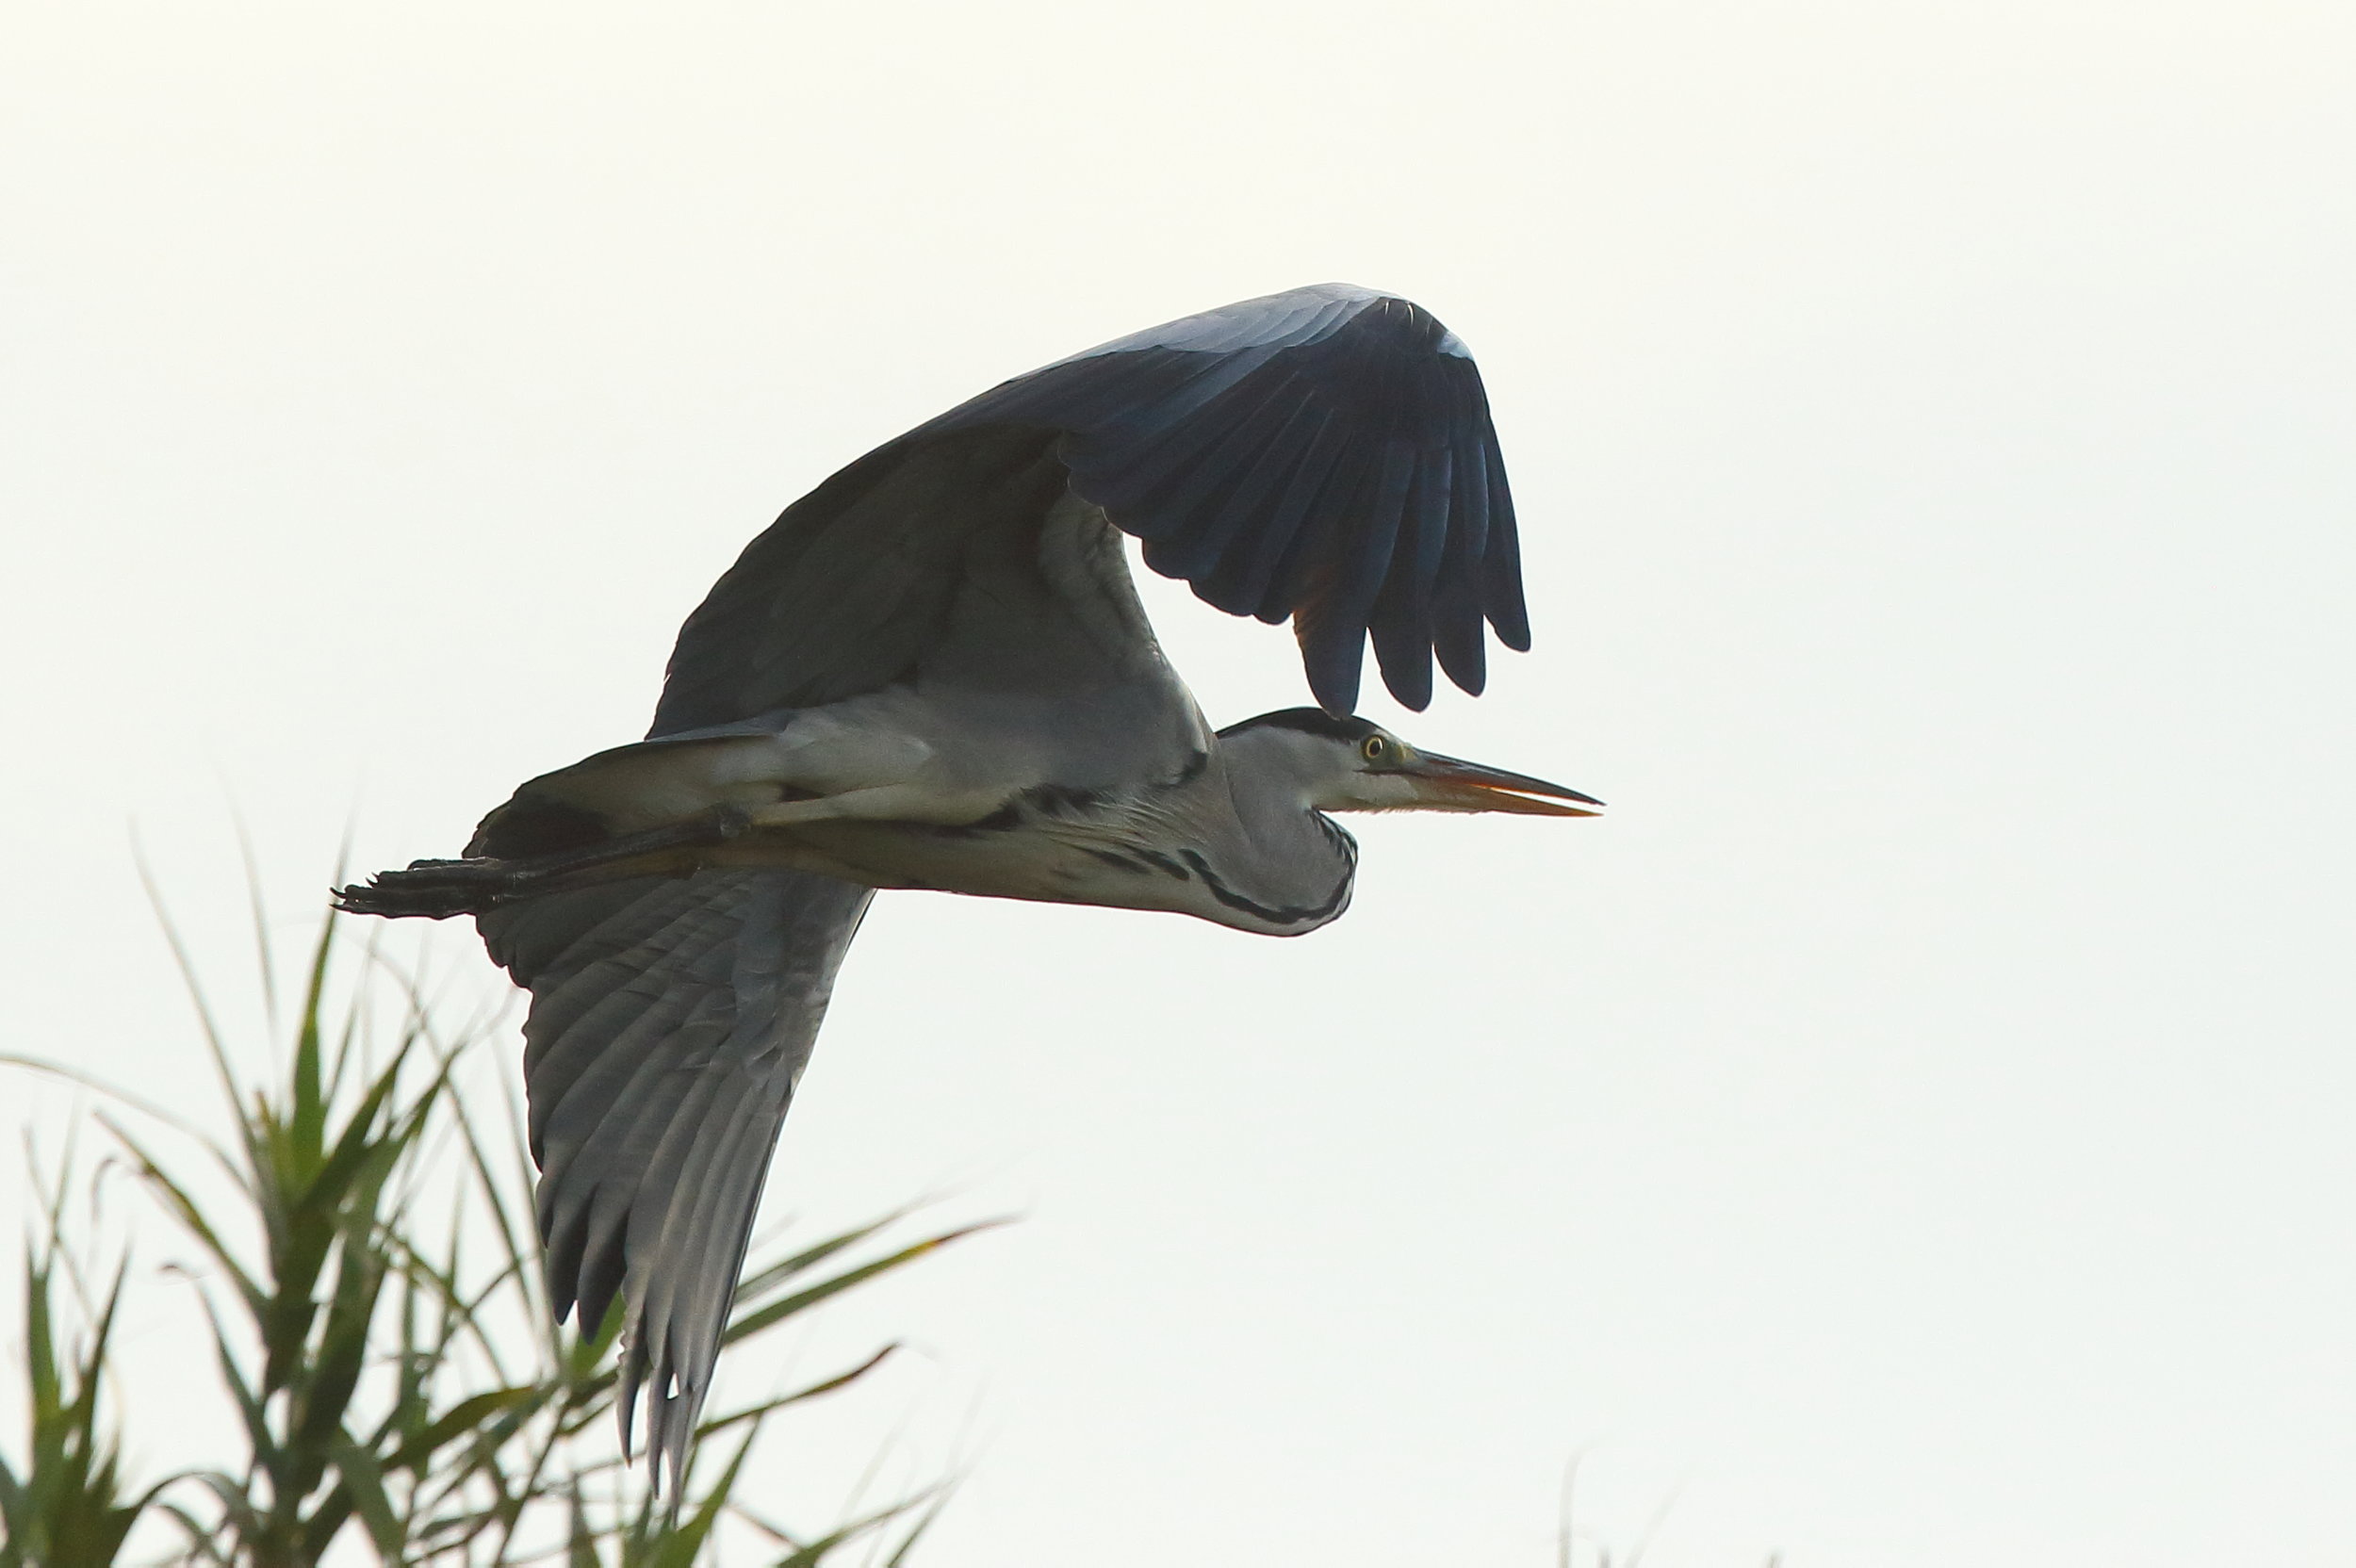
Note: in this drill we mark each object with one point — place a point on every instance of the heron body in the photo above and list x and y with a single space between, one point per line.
934 671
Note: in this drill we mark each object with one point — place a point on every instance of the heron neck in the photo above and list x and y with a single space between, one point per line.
1270 861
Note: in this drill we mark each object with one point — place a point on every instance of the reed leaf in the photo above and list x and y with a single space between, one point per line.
398 1384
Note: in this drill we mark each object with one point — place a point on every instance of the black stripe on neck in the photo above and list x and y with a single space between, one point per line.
1294 914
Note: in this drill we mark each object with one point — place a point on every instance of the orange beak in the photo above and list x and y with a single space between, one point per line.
1448 784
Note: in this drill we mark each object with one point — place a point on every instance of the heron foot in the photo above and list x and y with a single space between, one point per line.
432 890
436 890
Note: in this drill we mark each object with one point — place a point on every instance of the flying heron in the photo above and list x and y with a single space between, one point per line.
933 671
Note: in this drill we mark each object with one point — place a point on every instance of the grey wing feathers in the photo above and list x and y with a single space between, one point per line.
1324 454
848 589
670 1020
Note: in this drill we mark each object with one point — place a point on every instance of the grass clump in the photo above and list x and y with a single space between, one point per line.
368 1284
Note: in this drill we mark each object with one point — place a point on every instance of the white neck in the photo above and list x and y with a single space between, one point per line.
1262 855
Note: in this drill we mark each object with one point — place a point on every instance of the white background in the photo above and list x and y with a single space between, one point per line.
1914 1127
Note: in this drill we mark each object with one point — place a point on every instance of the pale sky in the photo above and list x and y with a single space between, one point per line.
1917 1126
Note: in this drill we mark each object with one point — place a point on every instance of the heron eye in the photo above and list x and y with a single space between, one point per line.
1373 749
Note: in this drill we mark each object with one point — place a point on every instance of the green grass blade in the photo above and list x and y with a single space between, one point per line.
777 1312
763 1281
206 1025
262 955
825 1385
363 1482
309 1118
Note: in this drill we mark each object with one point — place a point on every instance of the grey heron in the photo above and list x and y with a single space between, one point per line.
933 671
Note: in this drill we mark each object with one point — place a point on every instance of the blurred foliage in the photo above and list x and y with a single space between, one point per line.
63 1501
370 1283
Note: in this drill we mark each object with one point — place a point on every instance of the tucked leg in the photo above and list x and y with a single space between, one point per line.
436 890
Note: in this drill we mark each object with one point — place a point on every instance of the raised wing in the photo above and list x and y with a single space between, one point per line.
670 1020
1324 454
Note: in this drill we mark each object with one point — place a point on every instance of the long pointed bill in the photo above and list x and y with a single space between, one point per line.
1448 784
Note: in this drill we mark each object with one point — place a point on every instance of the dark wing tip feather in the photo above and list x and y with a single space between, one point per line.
1318 454
1501 564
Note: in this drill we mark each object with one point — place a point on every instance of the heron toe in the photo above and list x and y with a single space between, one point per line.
429 889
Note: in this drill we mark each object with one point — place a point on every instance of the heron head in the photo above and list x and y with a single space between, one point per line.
1353 764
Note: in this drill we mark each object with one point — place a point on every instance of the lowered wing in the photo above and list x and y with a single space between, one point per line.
670 1020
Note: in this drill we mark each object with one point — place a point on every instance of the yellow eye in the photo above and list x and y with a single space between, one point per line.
1372 748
